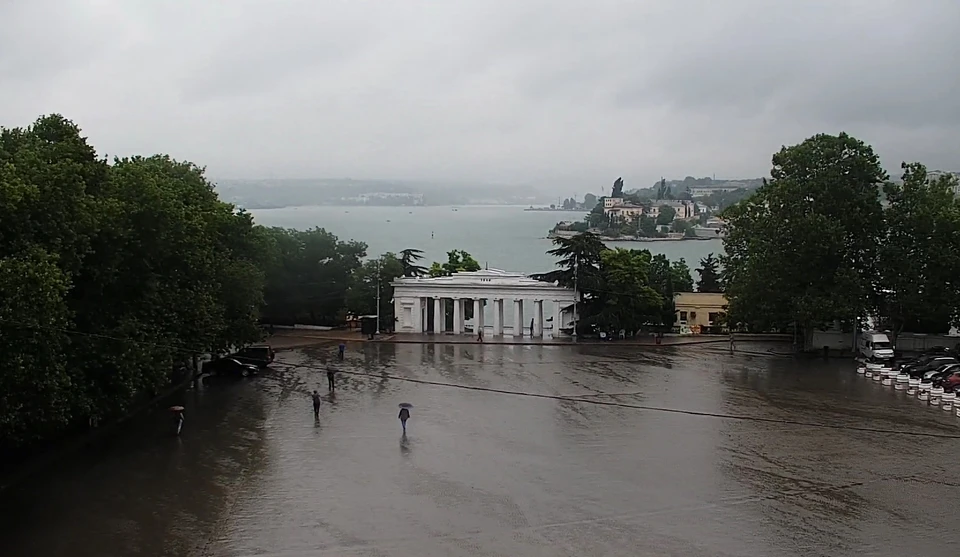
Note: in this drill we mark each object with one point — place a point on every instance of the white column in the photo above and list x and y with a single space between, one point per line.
538 317
438 315
556 319
457 313
482 318
497 317
517 317
477 316
418 316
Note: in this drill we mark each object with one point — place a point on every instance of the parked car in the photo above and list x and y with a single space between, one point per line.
922 366
260 355
944 369
230 366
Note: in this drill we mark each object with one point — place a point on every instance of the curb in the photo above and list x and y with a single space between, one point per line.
692 342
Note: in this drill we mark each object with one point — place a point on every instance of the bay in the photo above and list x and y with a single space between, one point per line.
501 237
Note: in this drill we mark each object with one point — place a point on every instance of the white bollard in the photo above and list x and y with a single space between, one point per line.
886 381
948 400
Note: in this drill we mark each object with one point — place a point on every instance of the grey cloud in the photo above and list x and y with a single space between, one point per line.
562 92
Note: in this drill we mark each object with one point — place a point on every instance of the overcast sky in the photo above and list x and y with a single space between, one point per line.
514 91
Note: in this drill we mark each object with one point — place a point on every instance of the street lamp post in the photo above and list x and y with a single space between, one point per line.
576 297
378 296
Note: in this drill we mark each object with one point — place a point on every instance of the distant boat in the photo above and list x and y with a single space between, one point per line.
388 220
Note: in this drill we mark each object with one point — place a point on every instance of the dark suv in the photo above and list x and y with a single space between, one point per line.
230 366
260 355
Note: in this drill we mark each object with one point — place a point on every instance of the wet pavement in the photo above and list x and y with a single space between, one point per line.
487 470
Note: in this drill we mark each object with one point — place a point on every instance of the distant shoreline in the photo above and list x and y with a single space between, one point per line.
408 207
556 210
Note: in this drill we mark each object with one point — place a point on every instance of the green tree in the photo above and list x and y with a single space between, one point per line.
681 276
458 261
311 277
709 272
138 262
36 390
918 289
804 248
410 258
680 225
579 262
362 296
626 300
666 215
617 188
647 227
589 201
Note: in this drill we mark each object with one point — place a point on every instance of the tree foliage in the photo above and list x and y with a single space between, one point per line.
458 261
618 289
666 215
617 188
709 272
124 270
310 276
374 273
409 259
805 248
919 288
589 201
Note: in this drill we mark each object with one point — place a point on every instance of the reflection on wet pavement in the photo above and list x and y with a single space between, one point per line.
485 473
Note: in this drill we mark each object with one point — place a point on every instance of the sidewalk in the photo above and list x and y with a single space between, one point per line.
289 339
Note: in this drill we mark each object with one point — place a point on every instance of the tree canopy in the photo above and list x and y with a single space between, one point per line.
815 247
618 288
130 266
709 272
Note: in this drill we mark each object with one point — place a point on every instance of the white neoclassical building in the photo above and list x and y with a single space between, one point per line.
498 297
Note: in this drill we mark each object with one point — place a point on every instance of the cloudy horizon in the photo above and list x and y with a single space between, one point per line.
528 91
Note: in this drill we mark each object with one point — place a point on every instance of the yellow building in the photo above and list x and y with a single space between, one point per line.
700 312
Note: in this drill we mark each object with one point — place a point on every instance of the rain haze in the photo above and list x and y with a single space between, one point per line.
512 91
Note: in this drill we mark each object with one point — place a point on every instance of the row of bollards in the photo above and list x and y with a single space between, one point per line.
925 392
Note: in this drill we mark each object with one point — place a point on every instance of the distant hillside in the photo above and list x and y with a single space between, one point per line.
679 186
277 193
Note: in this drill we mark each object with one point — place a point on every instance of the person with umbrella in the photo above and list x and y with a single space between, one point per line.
404 415
331 379
177 418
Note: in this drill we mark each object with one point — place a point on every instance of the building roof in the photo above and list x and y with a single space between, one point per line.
484 277
484 281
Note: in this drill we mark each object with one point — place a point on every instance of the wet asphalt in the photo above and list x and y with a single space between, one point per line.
483 472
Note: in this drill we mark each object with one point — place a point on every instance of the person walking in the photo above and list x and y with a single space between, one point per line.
331 379
479 334
733 344
340 350
404 416
531 327
316 404
178 420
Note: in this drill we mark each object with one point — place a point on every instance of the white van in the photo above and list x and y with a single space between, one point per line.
873 345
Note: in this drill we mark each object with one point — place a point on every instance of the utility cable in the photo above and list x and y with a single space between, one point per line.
568 398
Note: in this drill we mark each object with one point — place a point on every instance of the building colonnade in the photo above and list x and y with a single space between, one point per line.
520 312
